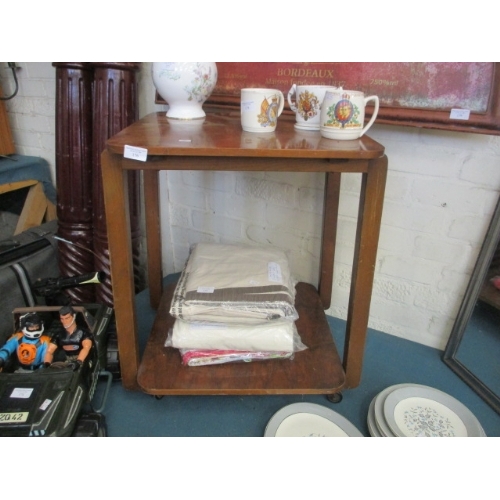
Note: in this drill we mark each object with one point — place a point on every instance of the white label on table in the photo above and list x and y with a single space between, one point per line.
247 106
460 114
135 153
274 272
21 392
205 289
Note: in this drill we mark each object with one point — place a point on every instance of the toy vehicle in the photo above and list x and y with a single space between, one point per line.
58 401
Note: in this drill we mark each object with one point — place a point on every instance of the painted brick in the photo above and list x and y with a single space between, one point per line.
394 290
273 192
217 181
350 183
33 88
299 179
453 281
431 299
303 222
34 70
413 269
436 249
482 169
414 217
304 267
397 186
426 161
395 240
44 107
448 194
33 123
24 140
310 199
180 216
349 204
187 196
211 223
237 207
272 236
468 228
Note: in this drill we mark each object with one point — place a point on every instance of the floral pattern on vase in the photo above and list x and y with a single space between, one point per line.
185 86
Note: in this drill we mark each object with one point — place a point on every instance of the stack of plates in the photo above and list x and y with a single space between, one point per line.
412 410
309 420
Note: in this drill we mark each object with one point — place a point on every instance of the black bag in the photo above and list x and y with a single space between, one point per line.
25 258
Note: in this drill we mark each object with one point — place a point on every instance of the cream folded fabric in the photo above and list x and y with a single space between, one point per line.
235 283
270 336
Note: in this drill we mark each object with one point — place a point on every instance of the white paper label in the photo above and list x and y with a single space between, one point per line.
247 106
134 153
45 404
205 289
21 392
459 114
274 272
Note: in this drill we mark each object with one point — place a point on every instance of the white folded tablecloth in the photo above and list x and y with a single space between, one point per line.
235 283
269 336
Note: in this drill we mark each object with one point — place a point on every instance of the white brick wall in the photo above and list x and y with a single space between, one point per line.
442 188
32 110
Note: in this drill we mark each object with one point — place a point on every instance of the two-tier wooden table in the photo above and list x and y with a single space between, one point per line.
220 144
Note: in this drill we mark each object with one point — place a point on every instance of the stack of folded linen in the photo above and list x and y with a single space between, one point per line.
235 298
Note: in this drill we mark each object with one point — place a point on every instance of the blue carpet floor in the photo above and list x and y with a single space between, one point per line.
388 360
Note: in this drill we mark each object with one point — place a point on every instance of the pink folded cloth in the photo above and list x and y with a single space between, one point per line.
201 357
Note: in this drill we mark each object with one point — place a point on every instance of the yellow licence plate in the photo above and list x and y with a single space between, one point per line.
14 417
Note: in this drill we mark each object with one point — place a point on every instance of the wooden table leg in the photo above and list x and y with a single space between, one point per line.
329 236
153 231
365 254
115 191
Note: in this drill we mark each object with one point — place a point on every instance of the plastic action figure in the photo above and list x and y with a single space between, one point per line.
29 344
75 341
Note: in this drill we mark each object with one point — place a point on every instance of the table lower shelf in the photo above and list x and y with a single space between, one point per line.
316 370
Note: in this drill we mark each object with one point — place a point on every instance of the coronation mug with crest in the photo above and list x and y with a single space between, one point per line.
305 101
260 109
343 114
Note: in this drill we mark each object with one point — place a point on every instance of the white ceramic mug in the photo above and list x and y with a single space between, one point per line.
260 109
305 101
343 114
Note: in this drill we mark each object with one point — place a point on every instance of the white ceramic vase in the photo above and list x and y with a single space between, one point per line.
185 86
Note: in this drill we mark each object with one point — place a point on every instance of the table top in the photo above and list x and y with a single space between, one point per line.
220 134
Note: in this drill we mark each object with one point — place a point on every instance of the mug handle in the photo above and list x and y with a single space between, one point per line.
374 115
291 92
282 103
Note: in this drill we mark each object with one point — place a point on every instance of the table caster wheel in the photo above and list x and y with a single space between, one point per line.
334 398
158 397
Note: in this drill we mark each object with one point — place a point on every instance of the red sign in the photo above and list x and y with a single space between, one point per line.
432 86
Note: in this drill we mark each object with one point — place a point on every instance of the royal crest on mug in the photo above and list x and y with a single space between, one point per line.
343 114
260 109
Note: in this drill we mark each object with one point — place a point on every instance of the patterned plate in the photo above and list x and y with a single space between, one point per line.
420 411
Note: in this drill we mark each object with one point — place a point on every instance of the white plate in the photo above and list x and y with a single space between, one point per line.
420 411
372 426
309 420
378 409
